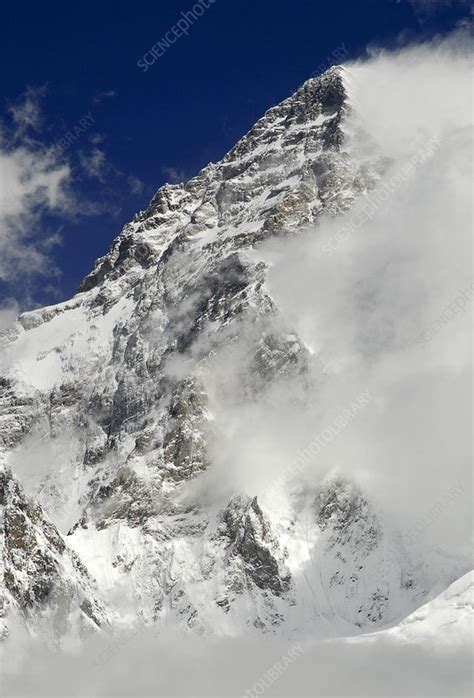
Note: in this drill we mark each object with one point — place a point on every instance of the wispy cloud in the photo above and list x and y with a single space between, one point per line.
33 182
26 111
105 94
136 185
94 163
96 138
176 175
42 188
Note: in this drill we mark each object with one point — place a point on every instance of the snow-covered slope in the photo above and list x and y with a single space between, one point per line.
106 416
446 619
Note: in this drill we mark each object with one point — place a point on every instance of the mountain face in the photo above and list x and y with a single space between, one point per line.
107 419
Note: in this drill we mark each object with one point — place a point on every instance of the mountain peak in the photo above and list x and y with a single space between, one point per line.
117 391
301 136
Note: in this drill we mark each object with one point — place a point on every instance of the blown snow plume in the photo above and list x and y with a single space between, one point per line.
252 420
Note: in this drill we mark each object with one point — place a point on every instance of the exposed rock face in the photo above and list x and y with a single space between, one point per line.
253 543
41 574
105 418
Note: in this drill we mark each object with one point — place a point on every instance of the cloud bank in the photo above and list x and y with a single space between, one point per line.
146 665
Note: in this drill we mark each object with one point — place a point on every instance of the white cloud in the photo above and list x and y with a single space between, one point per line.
36 182
94 163
9 311
105 94
136 185
96 138
26 111
182 665
32 182
176 175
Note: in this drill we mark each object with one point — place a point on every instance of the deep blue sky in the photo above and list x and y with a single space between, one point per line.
190 107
